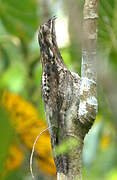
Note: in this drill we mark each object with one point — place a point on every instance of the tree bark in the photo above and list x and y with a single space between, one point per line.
88 101
70 101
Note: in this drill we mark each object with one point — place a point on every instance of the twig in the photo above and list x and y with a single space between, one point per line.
31 157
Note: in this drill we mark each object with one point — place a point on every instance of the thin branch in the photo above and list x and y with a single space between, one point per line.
33 149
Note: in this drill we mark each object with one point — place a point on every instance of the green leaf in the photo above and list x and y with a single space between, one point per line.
4 63
19 17
16 174
6 136
14 78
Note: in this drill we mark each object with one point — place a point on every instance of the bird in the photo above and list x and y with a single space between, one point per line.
60 92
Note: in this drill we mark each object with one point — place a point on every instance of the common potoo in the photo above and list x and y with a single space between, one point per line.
60 92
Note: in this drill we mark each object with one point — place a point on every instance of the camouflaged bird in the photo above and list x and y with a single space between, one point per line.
60 92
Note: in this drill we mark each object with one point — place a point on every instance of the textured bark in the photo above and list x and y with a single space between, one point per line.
70 101
88 101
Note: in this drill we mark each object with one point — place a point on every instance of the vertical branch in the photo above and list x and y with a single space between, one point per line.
73 10
88 101
45 10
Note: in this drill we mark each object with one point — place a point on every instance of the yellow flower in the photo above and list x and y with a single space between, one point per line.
28 124
14 159
50 168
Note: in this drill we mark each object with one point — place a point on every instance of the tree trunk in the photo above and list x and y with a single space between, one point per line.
88 101
70 101
45 13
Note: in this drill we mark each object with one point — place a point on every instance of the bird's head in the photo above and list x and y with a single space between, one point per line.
47 32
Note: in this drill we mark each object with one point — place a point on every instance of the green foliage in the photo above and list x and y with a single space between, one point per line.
14 78
16 174
108 28
19 18
66 146
6 136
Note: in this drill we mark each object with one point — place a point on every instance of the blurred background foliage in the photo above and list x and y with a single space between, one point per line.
21 109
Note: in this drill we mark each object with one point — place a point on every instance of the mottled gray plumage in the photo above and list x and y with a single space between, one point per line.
70 101
60 92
